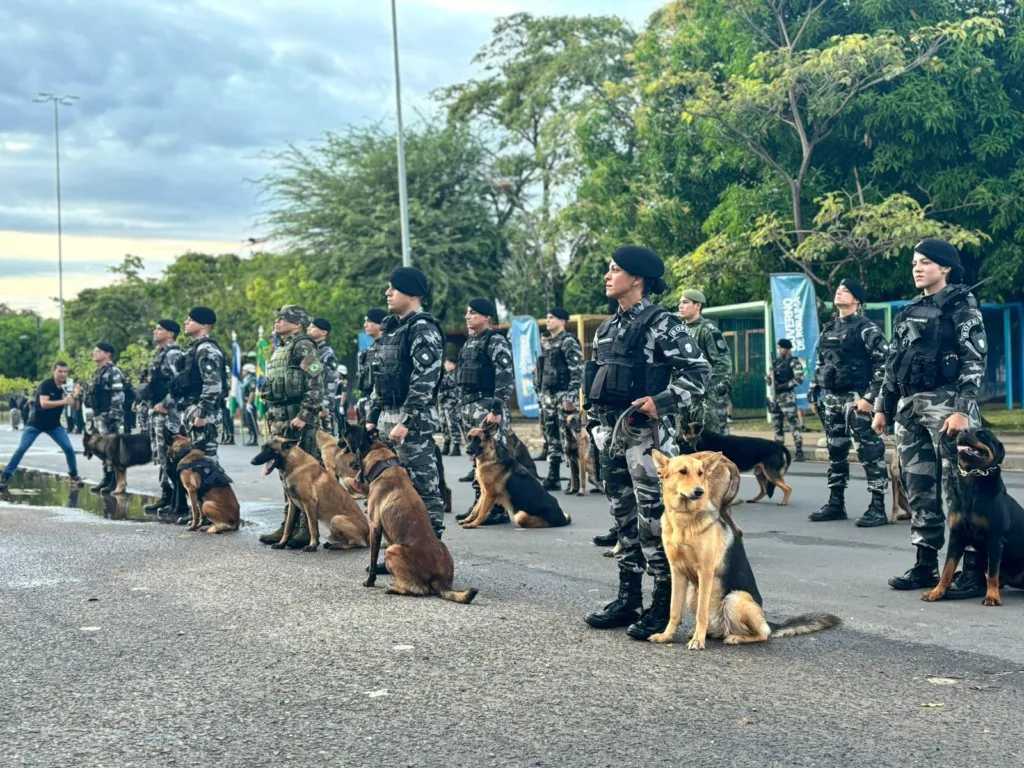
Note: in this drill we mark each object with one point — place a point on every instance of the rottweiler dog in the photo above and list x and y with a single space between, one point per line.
709 565
986 516
122 451
505 482
769 460
209 490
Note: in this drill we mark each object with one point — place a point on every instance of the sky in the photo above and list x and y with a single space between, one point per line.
182 101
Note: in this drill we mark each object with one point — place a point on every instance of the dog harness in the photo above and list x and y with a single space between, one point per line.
211 475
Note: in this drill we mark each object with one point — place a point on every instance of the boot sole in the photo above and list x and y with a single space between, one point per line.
618 624
906 587
814 519
861 523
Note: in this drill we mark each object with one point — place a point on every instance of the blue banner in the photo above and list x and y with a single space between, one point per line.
524 336
795 317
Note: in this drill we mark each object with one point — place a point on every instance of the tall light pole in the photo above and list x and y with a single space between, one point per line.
58 101
403 192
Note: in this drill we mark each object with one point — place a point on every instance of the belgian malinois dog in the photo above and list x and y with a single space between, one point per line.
313 491
122 451
210 495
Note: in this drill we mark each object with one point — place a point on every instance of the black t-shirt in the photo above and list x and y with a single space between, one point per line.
48 418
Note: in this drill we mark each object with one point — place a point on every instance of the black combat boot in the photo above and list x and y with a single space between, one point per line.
655 618
625 609
446 449
924 574
799 456
875 514
469 477
970 582
834 509
107 484
166 491
553 481
275 536
498 516
456 450
463 515
300 535
609 539
543 455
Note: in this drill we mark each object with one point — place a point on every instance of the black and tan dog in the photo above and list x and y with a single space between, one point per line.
504 482
316 493
419 561
986 516
210 494
767 459
517 448
122 451
709 565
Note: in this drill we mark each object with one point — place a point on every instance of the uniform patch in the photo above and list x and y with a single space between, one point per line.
676 330
688 348
311 365
968 327
503 359
979 340
208 366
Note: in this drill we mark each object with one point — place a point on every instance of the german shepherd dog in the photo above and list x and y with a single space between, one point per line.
581 462
769 460
505 482
313 491
216 503
122 451
517 448
419 562
709 565
986 516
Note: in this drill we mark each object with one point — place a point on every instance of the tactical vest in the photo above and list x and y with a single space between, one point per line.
623 373
159 383
782 371
924 340
101 395
188 385
555 376
845 365
392 364
475 372
284 382
366 369
211 474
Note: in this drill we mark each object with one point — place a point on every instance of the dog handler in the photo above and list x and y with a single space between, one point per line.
106 398
165 419
560 390
643 357
935 366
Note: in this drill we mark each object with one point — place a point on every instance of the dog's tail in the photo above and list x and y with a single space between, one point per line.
804 624
465 597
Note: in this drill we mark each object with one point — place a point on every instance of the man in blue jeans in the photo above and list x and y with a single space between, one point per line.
50 402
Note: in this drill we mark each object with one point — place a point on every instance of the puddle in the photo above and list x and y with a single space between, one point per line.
43 489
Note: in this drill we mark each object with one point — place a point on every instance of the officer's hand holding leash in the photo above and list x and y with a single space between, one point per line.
879 425
954 424
863 406
398 434
646 406
296 422
492 418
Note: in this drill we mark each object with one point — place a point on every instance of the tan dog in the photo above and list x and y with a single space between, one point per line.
581 462
210 494
313 491
338 459
709 565
900 505
419 562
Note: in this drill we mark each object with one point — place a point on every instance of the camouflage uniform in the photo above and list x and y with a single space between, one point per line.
448 401
787 375
486 381
365 382
561 382
106 398
407 373
331 379
293 386
927 379
631 482
203 368
714 406
165 367
850 365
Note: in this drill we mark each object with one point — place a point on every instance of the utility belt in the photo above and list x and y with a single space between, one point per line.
283 403
605 418
472 397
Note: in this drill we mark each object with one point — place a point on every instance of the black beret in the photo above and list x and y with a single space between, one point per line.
376 315
856 289
169 325
944 254
409 281
639 261
784 343
323 325
104 347
483 306
560 312
203 315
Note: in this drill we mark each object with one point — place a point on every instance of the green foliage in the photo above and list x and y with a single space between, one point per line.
28 344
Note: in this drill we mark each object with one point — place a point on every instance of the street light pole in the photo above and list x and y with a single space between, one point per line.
403 192
58 101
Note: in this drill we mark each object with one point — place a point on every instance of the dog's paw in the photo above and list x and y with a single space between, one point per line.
931 595
661 637
695 645
732 640
990 600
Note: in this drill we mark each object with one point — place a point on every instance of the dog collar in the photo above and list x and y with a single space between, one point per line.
377 469
976 472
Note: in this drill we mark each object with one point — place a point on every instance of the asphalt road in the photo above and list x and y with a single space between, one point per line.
138 644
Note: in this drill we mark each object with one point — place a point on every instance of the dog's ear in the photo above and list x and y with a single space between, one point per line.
711 461
997 449
287 445
660 460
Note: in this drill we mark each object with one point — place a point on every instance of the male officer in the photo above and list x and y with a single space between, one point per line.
934 370
201 385
249 421
164 419
714 410
448 400
560 384
372 325
106 398
643 357
786 374
848 372
486 382
318 330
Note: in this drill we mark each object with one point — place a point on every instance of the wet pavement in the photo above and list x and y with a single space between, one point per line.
45 489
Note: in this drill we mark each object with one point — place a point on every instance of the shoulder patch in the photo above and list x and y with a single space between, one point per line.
311 364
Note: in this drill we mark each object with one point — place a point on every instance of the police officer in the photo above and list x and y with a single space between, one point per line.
486 381
164 418
106 398
848 371
318 330
372 326
714 412
406 377
560 385
643 357
934 370
341 398
249 385
201 387
448 399
538 376
786 374
293 390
